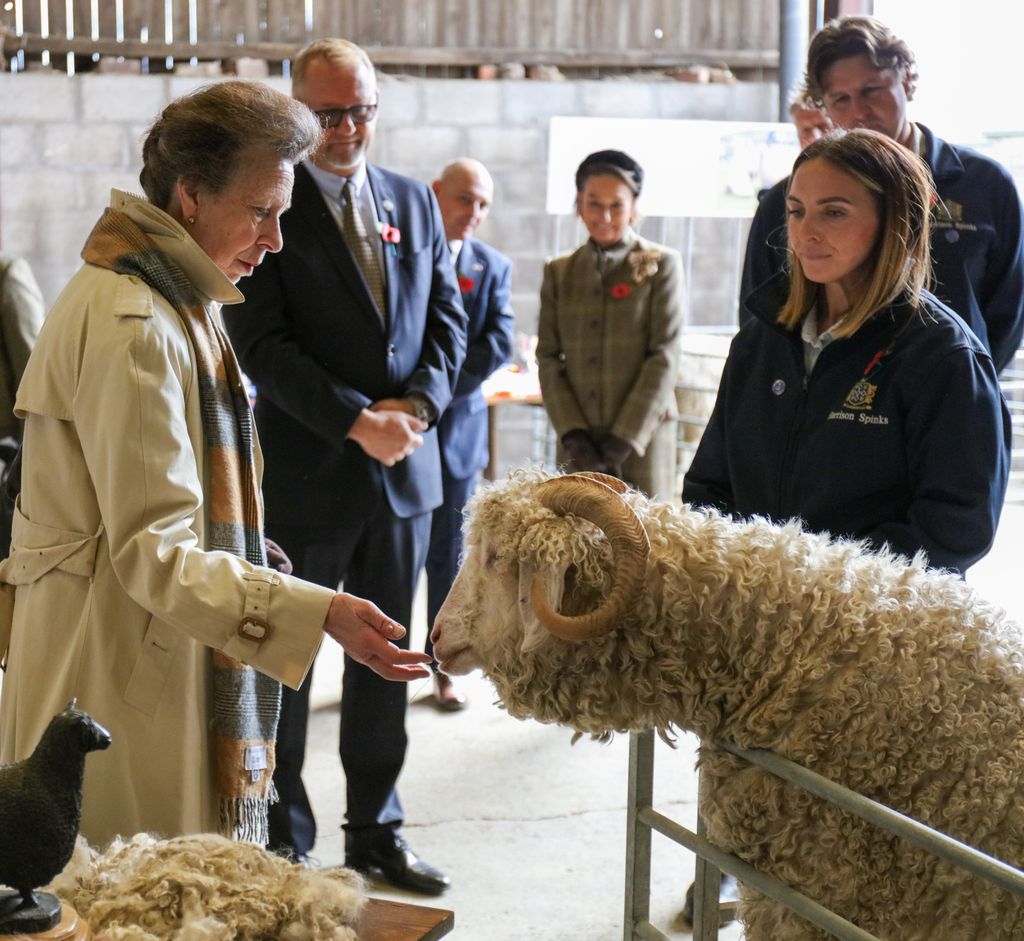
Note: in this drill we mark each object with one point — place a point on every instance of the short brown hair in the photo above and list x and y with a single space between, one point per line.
337 51
901 186
851 36
203 137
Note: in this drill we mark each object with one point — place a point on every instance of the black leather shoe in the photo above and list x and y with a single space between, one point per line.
389 854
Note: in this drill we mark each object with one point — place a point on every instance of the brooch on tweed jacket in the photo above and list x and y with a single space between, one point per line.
644 263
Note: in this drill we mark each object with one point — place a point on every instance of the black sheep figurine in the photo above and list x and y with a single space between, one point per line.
40 808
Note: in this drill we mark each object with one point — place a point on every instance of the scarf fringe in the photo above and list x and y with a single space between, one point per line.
245 818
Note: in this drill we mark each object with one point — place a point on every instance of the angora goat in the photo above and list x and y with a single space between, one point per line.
206 888
884 676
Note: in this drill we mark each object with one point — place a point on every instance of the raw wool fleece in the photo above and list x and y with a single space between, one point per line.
206 888
891 679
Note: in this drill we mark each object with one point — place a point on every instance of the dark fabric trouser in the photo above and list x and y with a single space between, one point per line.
445 544
379 560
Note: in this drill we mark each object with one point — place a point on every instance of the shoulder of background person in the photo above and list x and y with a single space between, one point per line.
494 258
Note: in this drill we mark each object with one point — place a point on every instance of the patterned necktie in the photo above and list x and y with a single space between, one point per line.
362 251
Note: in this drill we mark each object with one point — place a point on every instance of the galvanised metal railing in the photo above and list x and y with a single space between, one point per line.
711 860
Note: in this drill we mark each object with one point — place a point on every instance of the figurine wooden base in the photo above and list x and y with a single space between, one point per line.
70 928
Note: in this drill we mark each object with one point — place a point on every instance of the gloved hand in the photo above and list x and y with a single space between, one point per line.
615 451
276 559
583 451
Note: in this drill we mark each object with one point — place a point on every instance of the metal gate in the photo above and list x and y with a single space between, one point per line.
643 819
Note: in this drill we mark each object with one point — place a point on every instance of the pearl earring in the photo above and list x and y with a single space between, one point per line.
191 220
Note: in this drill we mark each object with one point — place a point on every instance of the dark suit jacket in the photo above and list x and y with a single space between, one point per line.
484 277
310 338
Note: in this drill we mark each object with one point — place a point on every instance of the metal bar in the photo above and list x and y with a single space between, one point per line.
945 847
647 932
707 882
805 907
687 271
792 49
640 789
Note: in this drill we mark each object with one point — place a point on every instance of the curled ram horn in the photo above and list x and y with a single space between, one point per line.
613 482
590 498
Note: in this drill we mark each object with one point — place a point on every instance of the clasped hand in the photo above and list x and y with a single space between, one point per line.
388 431
366 634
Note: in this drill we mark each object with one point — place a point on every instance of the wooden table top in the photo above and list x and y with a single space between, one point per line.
382 920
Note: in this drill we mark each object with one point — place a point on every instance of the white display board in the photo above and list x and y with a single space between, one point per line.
691 168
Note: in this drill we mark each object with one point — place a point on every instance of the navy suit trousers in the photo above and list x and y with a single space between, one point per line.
380 561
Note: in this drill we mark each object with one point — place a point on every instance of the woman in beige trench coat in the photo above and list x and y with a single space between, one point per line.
608 336
118 593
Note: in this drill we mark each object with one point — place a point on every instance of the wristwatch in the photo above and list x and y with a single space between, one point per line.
422 406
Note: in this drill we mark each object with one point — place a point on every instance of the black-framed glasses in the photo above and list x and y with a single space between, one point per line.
358 114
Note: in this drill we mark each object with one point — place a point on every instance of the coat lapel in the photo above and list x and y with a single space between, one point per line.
308 202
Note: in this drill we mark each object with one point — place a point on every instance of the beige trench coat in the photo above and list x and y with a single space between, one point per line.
608 364
117 602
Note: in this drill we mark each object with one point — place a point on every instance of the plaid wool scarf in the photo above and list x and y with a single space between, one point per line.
246 703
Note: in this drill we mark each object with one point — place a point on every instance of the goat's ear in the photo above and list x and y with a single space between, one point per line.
553 579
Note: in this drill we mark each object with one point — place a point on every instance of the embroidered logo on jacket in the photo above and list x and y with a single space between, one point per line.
858 403
949 210
861 395
948 214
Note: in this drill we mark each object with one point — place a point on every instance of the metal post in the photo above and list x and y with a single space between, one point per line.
793 18
638 835
706 883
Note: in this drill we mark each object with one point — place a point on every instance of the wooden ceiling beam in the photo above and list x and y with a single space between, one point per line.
404 56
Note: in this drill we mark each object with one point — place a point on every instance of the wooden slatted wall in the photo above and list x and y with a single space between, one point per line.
624 32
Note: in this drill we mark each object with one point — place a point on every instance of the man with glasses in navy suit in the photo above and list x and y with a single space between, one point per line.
354 335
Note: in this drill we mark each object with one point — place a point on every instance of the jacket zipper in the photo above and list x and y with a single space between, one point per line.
792 436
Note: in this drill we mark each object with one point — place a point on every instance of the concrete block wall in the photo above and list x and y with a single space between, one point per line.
65 142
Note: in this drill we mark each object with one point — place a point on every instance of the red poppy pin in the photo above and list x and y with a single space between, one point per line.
466 283
621 290
390 233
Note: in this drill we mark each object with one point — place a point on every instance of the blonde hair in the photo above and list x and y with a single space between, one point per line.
204 137
901 186
339 52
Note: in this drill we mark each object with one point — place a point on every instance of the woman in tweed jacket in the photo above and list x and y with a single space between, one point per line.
610 316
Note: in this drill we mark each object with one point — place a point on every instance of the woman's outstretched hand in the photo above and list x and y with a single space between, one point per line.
366 632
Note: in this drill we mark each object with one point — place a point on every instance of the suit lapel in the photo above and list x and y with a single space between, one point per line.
387 213
308 202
